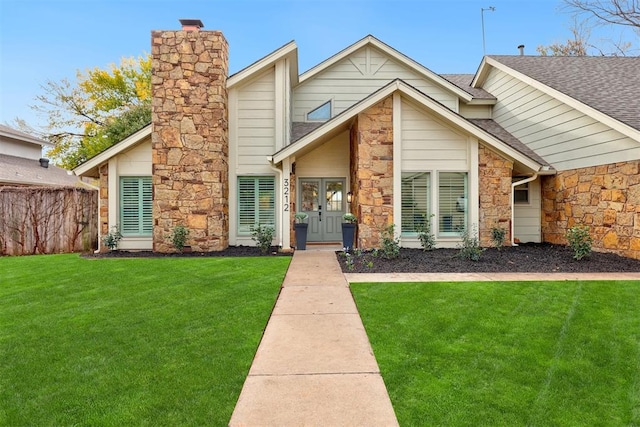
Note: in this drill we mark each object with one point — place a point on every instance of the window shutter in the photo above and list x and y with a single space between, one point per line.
415 201
136 208
256 202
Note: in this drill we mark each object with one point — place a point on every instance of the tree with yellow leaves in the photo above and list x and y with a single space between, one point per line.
101 108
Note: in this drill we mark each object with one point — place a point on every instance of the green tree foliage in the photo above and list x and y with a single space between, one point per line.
101 108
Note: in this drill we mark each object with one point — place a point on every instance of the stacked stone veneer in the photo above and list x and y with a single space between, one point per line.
495 174
605 198
371 139
190 138
103 198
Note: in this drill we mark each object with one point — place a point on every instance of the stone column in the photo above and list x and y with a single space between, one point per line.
103 198
495 194
190 138
372 167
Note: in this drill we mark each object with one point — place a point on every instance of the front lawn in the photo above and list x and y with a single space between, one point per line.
537 354
157 341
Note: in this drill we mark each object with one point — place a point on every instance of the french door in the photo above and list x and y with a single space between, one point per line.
323 199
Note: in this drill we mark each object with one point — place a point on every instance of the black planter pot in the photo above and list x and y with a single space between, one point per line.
301 236
348 235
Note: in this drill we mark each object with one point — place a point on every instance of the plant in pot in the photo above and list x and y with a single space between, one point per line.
301 230
348 230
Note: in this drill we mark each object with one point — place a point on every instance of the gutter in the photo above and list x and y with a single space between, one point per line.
513 204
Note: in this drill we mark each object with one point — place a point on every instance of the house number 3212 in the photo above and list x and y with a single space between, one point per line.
285 193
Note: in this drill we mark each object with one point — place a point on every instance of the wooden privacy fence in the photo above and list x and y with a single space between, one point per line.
41 220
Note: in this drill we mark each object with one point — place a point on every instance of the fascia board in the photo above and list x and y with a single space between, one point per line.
114 150
623 128
290 49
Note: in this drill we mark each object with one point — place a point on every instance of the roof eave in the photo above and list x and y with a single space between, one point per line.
93 163
290 50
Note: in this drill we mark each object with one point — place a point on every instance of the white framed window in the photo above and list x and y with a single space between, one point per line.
321 113
521 194
136 208
256 202
453 206
416 195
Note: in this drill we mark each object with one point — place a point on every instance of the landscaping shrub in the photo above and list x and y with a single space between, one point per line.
470 247
263 236
112 239
390 243
580 241
498 236
179 237
425 235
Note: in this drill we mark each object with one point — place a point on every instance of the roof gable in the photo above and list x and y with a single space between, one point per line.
343 120
371 41
289 50
605 88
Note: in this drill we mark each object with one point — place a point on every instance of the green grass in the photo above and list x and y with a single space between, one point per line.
130 341
516 354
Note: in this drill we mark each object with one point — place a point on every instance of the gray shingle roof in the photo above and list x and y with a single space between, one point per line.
611 85
22 171
300 129
463 81
499 132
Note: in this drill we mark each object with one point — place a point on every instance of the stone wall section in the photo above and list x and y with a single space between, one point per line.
103 197
606 198
190 138
495 175
372 172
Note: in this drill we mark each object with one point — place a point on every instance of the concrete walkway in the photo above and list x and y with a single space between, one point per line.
314 365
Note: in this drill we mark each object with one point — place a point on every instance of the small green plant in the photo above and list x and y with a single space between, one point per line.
179 237
350 218
498 236
112 239
390 243
469 248
263 236
300 217
425 235
580 241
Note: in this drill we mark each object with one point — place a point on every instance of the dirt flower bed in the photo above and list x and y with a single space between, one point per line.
526 258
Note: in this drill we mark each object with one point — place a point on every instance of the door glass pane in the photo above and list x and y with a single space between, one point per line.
333 196
309 196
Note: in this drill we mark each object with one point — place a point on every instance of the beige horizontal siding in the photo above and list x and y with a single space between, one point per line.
356 77
562 135
428 144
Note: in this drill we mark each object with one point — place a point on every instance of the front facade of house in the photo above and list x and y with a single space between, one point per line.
367 131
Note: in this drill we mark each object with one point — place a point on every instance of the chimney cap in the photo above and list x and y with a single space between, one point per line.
191 24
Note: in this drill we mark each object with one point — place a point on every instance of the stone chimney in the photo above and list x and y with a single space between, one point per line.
190 137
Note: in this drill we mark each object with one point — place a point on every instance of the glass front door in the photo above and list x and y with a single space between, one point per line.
323 199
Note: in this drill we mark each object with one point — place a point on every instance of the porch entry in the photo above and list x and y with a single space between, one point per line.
323 199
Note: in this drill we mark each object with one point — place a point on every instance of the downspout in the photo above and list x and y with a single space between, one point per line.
513 204
279 172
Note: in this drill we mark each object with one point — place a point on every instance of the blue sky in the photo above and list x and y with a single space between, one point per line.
44 40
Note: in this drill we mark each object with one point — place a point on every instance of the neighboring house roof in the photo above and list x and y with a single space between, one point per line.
20 171
602 85
463 81
90 167
8 132
341 122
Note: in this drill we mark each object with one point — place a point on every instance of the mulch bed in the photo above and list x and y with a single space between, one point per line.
231 251
526 258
